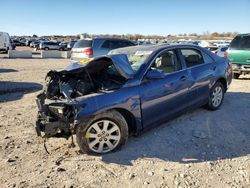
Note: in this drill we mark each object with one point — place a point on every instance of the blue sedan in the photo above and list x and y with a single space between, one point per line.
105 99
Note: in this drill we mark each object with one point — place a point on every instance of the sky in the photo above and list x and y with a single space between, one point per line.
161 17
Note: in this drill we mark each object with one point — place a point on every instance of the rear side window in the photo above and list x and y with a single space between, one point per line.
83 44
192 57
117 44
113 44
168 62
240 42
106 44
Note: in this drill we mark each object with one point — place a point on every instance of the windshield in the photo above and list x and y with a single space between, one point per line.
135 56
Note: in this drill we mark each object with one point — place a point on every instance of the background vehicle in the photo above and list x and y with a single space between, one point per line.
5 42
50 46
18 43
71 44
130 90
95 47
222 51
35 44
63 45
239 55
212 48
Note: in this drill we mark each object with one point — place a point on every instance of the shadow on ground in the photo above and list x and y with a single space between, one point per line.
10 91
197 136
7 70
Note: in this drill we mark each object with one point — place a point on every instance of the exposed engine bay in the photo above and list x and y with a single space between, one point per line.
71 85
56 104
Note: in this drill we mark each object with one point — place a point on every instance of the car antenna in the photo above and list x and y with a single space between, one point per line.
44 145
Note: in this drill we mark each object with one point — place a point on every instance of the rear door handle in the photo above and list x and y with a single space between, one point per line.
183 78
214 68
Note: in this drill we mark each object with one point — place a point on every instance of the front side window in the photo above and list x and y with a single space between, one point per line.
192 57
168 62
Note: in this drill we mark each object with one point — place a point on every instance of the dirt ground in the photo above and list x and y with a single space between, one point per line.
198 149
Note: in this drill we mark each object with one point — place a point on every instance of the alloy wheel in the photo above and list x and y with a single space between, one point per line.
217 96
103 136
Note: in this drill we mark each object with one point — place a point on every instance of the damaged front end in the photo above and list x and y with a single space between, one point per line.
58 105
55 117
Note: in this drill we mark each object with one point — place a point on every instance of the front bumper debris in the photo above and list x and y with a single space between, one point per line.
52 120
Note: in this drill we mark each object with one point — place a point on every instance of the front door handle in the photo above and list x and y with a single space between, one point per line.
183 78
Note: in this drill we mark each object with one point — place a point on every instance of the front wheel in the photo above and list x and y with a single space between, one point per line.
216 96
106 132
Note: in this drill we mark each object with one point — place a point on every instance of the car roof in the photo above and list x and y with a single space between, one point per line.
105 38
156 47
244 34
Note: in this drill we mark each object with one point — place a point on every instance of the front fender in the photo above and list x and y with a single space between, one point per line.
100 103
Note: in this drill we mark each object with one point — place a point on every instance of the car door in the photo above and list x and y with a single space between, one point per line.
164 98
201 69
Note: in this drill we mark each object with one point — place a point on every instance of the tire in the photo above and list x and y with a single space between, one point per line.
46 49
92 141
61 49
216 94
236 75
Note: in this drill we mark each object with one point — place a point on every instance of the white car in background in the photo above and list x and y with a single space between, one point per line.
222 43
5 42
222 51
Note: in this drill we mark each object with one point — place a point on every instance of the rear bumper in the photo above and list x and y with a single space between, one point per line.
241 68
79 56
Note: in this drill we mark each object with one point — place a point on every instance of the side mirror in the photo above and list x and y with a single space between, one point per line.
155 74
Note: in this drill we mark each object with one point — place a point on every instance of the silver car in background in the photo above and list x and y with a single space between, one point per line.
87 48
51 46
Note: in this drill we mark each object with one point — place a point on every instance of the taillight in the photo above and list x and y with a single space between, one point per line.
88 51
225 54
216 52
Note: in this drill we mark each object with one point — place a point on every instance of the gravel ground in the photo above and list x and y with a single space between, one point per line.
198 149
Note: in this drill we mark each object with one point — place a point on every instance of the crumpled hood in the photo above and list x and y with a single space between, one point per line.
120 61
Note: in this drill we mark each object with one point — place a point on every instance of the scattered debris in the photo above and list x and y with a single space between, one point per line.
199 134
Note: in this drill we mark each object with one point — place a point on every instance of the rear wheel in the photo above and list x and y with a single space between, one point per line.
46 49
236 75
216 96
105 133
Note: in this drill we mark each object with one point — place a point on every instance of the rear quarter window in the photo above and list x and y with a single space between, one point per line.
207 58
